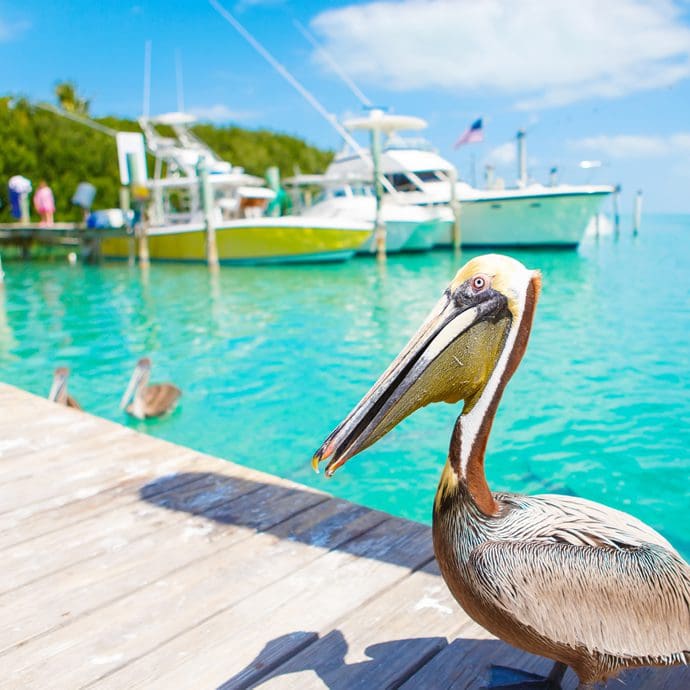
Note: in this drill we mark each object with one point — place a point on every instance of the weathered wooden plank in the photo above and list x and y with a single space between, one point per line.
92 585
103 463
379 645
273 623
170 606
38 558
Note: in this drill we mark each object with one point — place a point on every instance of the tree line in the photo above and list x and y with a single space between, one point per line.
41 145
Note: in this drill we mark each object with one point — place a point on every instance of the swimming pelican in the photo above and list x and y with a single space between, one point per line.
575 581
151 400
58 390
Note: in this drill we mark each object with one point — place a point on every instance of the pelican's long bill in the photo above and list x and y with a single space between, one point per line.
450 358
134 383
59 383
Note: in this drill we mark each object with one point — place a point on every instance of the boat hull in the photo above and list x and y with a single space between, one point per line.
252 240
557 220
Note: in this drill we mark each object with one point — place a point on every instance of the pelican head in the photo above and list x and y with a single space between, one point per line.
467 349
58 389
139 378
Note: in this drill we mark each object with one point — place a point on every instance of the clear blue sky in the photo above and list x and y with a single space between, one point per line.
589 80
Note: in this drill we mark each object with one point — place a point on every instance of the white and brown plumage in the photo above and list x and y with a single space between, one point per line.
58 390
585 585
148 400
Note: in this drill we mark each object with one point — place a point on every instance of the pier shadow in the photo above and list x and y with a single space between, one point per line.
296 514
388 664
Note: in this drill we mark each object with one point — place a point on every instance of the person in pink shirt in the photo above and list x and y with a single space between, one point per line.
44 203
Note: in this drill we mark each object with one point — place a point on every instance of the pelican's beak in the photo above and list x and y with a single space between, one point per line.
449 359
132 386
59 381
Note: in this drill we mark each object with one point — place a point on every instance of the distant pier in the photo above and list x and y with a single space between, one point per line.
131 562
86 241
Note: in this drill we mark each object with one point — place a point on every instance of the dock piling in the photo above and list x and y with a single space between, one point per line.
209 221
455 208
379 226
134 193
616 212
637 220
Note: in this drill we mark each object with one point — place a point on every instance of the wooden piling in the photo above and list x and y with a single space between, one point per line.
615 197
637 219
379 225
455 208
208 208
139 227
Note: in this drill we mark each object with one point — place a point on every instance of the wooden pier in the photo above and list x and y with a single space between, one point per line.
85 240
130 562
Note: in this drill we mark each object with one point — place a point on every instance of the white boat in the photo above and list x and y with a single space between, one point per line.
526 215
409 227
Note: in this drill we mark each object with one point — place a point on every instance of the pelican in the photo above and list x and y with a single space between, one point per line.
58 390
578 582
148 400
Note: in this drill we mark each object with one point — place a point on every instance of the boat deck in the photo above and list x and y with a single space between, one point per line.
130 562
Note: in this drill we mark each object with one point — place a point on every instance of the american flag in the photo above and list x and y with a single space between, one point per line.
473 135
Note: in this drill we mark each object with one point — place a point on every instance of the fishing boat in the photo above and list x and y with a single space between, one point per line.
528 214
194 194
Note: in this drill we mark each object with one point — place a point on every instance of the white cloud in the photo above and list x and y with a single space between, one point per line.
243 5
502 155
220 113
10 30
544 54
635 146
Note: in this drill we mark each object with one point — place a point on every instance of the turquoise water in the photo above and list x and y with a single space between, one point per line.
271 358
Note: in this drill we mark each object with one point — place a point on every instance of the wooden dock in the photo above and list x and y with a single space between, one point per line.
130 562
27 236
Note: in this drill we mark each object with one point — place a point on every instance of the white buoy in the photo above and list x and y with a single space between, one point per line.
72 258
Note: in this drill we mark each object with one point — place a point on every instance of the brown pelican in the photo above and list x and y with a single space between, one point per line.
151 400
58 390
575 581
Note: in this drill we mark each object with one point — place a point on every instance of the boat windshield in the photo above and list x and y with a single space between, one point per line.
401 182
431 175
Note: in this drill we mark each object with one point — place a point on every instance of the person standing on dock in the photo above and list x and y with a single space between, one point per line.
44 203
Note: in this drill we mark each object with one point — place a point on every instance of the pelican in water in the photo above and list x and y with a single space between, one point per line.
585 585
148 400
58 390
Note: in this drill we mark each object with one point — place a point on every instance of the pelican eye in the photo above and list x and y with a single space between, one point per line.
479 283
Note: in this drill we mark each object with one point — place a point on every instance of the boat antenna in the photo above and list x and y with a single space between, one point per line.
82 120
278 67
146 105
180 84
347 80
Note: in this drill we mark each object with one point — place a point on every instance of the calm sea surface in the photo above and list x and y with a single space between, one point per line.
271 358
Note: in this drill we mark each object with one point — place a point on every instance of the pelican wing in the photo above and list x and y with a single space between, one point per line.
573 520
160 398
629 602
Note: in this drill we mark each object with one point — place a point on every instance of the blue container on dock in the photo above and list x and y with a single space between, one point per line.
84 195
